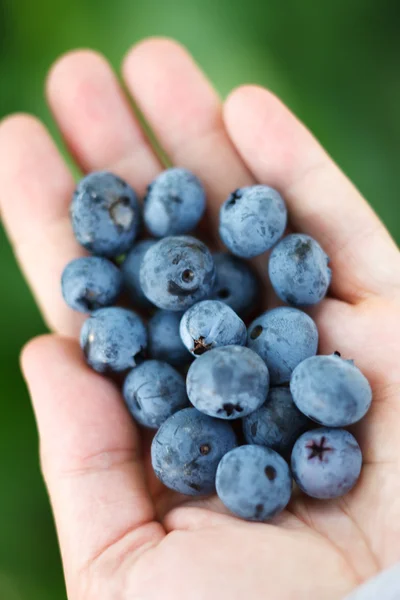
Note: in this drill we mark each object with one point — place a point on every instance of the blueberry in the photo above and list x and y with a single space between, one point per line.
277 424
211 324
187 449
174 204
112 338
228 382
326 463
164 339
105 214
154 391
91 282
131 273
236 284
283 337
330 391
252 220
177 272
254 482
298 270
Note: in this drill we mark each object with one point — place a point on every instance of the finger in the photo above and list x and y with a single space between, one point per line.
211 513
184 112
322 202
90 458
96 120
37 187
35 190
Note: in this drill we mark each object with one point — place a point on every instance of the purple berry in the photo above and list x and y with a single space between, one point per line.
105 214
298 270
177 272
326 463
174 203
228 382
252 220
154 391
211 324
187 449
254 482
90 282
330 391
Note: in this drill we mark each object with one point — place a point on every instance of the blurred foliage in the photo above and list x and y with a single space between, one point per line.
336 64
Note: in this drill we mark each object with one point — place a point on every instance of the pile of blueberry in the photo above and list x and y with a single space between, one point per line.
258 406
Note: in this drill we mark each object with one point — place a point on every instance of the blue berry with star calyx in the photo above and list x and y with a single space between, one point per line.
330 390
298 270
90 282
177 272
326 463
105 214
254 482
154 391
174 203
211 324
228 382
113 339
283 337
187 449
252 220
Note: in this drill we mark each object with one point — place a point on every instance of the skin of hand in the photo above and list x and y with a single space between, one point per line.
122 535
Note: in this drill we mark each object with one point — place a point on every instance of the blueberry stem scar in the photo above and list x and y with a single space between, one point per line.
230 409
187 275
270 472
233 197
257 331
199 346
318 450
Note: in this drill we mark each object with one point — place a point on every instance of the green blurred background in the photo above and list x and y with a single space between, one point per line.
337 65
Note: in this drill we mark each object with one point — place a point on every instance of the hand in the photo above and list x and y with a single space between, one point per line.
122 535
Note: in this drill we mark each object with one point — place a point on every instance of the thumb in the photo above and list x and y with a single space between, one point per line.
91 461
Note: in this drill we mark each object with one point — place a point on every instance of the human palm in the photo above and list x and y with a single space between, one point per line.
122 535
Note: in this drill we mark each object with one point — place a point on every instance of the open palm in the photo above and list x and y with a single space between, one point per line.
122 535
